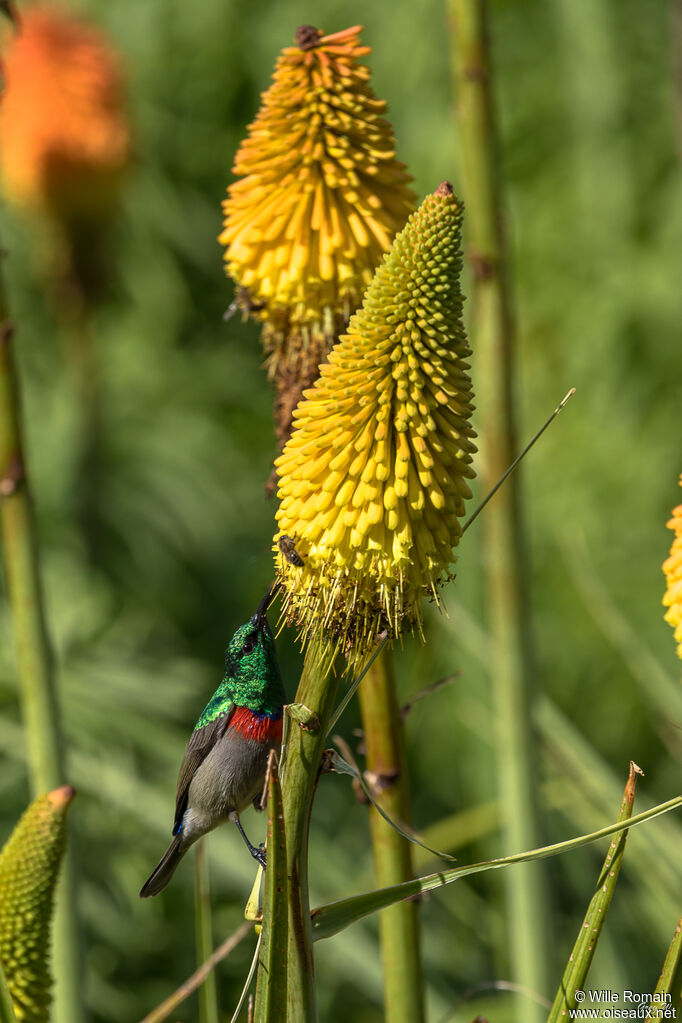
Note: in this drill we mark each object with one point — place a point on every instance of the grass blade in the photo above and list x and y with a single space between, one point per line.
580 960
334 917
668 991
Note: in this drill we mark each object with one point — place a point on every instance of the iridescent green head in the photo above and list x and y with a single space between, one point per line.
251 668
252 678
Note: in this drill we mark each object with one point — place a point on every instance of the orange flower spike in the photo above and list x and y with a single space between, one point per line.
319 198
64 137
672 567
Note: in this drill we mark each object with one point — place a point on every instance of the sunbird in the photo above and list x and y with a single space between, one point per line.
224 766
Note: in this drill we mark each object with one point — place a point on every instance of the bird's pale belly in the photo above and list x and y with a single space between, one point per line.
228 780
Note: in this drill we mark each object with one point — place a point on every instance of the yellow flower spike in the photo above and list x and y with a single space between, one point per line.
320 195
29 866
672 567
396 479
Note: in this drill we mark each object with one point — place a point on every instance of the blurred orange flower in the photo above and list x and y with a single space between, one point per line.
64 136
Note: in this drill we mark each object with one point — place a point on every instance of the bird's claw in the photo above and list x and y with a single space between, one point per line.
259 855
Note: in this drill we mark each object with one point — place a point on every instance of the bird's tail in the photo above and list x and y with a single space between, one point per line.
164 871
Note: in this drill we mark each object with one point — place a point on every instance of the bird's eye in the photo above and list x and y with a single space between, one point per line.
249 643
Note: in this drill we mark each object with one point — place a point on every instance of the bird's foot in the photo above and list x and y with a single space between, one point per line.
257 853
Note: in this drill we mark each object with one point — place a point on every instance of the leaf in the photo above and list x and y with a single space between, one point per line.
271 985
334 917
580 960
670 981
6 1007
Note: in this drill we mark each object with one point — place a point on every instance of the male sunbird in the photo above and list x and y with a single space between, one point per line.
226 758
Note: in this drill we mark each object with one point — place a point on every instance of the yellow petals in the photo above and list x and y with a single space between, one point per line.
319 197
672 567
384 463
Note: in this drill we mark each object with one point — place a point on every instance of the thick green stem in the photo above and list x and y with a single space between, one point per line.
506 560
271 989
399 925
24 590
36 669
317 691
208 992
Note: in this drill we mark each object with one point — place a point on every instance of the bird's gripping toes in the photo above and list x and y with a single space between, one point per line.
223 769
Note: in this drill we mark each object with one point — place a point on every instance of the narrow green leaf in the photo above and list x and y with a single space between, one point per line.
6 1007
271 986
341 766
352 688
668 991
334 917
580 960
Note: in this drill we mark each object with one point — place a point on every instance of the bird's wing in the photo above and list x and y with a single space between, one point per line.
199 746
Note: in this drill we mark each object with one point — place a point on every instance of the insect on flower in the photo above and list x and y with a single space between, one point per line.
287 547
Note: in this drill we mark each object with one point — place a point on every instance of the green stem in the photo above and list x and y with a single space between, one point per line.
271 991
317 691
40 710
506 566
399 925
209 1011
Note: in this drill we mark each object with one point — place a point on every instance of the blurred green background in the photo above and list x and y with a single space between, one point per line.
591 163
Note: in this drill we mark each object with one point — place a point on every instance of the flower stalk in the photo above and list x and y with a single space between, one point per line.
506 563
387 774
42 722
317 691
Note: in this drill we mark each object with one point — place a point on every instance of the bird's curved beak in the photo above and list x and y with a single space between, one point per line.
260 619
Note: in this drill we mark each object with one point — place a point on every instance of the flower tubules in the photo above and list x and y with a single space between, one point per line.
318 200
29 867
373 480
